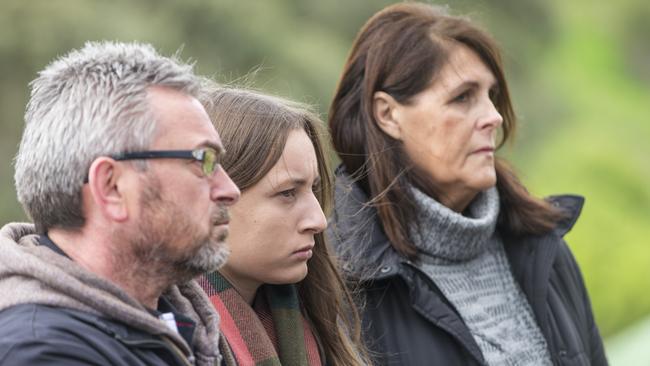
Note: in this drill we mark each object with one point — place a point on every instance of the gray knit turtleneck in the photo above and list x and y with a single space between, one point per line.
465 258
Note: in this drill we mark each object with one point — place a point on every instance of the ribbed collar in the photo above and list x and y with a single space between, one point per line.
445 234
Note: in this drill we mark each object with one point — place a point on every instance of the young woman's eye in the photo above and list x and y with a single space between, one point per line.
289 193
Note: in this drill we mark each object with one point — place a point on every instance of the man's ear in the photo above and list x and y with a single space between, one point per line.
106 182
385 110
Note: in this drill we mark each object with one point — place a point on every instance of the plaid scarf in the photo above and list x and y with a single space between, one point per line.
272 332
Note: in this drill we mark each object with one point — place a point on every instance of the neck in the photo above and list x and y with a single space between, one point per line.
99 255
457 200
444 233
247 289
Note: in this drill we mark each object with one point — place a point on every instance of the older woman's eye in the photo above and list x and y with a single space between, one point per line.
462 97
494 94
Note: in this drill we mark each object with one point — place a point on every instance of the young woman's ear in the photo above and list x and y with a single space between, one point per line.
386 112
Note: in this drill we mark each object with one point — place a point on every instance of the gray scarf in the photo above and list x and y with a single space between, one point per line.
465 258
445 234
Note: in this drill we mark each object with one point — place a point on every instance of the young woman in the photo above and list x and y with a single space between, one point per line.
459 264
280 296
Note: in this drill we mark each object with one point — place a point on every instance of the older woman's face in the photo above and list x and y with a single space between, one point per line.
449 129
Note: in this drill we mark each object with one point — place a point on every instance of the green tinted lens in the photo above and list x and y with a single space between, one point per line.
209 161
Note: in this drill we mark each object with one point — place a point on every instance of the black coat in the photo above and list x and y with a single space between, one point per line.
41 335
408 321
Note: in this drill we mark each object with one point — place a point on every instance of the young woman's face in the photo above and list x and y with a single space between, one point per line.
449 129
273 225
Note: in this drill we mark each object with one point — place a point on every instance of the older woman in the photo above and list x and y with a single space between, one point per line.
280 296
458 263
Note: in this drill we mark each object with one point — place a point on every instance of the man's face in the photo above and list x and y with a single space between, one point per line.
181 221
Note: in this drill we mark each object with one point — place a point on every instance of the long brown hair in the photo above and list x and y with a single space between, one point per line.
400 51
254 128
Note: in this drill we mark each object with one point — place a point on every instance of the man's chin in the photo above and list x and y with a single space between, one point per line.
208 259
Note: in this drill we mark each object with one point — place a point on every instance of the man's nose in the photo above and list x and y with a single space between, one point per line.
224 190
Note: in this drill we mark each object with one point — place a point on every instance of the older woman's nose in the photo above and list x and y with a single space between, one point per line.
491 118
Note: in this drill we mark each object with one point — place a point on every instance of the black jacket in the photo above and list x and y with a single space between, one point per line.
407 320
43 335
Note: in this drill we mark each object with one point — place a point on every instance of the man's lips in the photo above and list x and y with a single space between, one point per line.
221 220
221 217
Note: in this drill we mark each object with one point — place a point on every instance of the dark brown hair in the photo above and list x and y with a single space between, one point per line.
400 51
254 128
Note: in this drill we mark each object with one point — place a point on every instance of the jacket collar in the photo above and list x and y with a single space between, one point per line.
571 205
357 235
366 253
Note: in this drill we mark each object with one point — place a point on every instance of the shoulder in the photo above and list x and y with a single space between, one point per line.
38 320
36 334
566 267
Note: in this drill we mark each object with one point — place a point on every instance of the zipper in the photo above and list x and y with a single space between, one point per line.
421 273
189 361
433 286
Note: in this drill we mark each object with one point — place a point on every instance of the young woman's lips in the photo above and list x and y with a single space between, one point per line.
304 252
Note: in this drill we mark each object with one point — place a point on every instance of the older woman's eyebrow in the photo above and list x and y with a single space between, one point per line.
471 85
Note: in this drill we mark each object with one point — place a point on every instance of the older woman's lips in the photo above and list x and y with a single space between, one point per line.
484 150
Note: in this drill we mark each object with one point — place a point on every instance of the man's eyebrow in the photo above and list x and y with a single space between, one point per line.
217 147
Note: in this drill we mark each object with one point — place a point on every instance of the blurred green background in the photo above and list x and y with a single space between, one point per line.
579 70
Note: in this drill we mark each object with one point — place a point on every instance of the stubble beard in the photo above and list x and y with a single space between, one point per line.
212 251
168 244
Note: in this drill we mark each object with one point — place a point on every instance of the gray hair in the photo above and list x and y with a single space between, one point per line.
88 103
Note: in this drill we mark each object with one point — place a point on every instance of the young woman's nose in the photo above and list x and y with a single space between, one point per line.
314 219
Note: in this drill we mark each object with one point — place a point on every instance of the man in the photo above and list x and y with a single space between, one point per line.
118 168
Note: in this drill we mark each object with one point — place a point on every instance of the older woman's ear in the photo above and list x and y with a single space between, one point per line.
386 112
